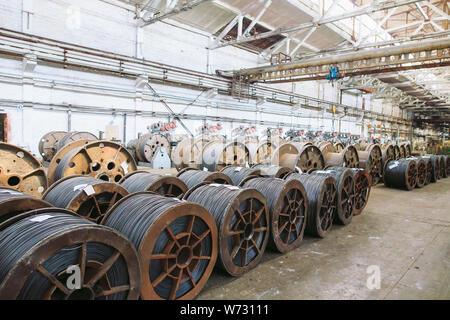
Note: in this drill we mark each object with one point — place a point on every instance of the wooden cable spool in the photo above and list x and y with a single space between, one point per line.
192 177
345 184
104 160
298 156
217 155
357 147
13 203
165 185
371 160
147 145
428 170
288 206
242 218
272 171
40 246
401 174
407 146
347 158
402 151
447 165
48 144
21 171
421 176
363 185
72 136
176 243
89 197
322 197
238 174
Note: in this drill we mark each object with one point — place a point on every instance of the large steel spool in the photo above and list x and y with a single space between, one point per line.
401 173
192 177
104 160
72 136
21 171
388 153
363 183
339 146
288 206
402 151
242 218
407 147
13 203
345 184
187 153
434 165
447 165
442 166
265 150
176 243
217 155
164 185
49 143
421 176
429 168
238 174
397 152
39 247
358 147
347 158
148 144
372 161
298 156
89 197
272 171
322 196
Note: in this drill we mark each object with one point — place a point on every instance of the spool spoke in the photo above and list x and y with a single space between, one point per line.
241 216
162 276
200 239
245 255
53 279
163 256
174 239
190 227
255 245
104 268
284 226
260 229
97 206
188 272
236 249
176 285
258 215
82 261
113 290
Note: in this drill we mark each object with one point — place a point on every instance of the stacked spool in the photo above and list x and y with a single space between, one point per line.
363 183
148 144
165 185
261 152
388 153
371 160
187 153
272 171
346 158
49 143
192 177
298 156
73 136
238 174
217 154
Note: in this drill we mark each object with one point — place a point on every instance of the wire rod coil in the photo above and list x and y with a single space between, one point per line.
272 171
242 218
40 249
192 177
238 174
89 197
401 174
161 184
13 202
176 242
345 184
288 206
321 192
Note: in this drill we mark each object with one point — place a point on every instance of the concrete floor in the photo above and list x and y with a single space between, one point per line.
406 234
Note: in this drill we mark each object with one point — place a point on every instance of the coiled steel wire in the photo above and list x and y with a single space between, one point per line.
146 181
273 171
192 177
401 173
238 174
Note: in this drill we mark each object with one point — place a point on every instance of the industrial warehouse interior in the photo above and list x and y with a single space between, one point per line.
224 150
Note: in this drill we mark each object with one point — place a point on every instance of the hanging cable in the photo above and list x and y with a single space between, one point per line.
401 174
192 177
146 181
237 174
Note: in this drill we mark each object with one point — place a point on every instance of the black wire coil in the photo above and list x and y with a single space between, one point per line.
401 174
33 239
242 218
193 177
273 171
138 181
345 192
288 206
238 174
322 197
158 225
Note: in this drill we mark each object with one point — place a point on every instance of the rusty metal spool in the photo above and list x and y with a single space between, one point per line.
147 145
442 167
13 203
298 156
347 158
401 173
447 165
176 243
421 175
131 147
161 184
104 160
272 171
345 184
402 151
89 197
70 137
428 170
372 161
238 174
242 218
216 155
408 151
322 197
435 166
387 153
39 247
363 185
59 155
397 152
192 177
48 144
339 146
358 147
264 151
187 153
288 206
320 143
21 171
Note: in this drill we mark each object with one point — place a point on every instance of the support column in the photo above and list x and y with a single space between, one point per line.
140 85
25 110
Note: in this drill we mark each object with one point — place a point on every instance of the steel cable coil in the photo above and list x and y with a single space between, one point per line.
429 168
421 171
345 184
442 166
146 181
72 136
238 174
40 249
176 242
242 218
13 202
322 197
192 177
89 197
288 207
401 174
272 171
435 165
